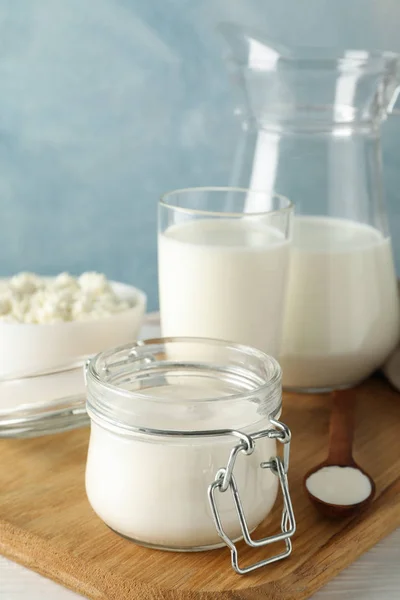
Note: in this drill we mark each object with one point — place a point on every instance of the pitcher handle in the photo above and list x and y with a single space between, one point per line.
394 105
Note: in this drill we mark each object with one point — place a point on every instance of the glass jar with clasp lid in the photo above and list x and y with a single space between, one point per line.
183 453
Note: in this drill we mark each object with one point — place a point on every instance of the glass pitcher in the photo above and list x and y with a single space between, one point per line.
312 121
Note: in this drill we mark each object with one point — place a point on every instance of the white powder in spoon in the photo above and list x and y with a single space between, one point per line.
339 485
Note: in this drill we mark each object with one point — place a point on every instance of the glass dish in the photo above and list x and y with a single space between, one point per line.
48 414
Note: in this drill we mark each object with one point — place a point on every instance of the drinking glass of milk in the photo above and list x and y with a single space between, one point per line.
314 116
223 258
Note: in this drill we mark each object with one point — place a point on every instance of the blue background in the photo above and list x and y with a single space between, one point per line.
105 104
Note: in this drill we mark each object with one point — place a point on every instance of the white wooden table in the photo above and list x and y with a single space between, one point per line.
375 576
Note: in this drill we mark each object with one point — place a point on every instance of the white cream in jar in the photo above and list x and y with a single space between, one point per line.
161 414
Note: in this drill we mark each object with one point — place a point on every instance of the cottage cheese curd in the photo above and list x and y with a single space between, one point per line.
29 298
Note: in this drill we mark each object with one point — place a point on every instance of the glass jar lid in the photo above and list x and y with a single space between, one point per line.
178 386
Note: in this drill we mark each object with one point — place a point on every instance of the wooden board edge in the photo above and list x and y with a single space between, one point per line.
29 550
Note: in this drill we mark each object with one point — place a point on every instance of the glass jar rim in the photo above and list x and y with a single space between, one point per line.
97 371
163 202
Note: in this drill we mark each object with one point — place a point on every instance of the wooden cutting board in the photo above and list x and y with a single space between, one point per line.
47 524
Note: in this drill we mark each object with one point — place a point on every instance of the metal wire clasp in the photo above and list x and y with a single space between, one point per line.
225 479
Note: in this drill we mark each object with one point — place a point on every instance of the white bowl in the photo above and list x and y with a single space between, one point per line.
30 347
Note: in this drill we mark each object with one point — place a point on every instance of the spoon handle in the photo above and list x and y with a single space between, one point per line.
341 428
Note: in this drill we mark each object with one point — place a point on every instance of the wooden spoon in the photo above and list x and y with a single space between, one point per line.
341 431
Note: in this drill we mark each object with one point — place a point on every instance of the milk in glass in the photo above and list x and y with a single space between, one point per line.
224 278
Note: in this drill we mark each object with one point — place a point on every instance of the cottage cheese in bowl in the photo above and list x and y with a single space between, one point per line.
29 298
46 322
